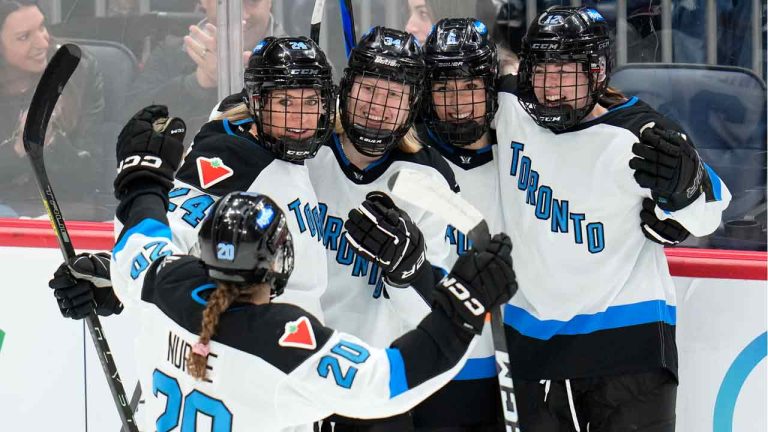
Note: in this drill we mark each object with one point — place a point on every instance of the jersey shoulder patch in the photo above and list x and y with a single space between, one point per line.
299 334
224 157
283 335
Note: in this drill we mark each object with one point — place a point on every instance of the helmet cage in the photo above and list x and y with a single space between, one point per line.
592 55
261 83
385 134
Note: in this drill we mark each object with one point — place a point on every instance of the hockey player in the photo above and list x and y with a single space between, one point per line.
260 144
216 348
379 94
592 335
456 115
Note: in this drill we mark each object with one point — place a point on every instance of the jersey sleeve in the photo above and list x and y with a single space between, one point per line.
349 377
144 239
187 208
703 216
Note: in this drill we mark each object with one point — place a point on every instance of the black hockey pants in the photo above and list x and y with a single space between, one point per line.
643 402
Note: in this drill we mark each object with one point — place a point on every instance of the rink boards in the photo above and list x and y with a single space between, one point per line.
50 378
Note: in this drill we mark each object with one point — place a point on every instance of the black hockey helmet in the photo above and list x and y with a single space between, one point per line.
565 35
290 63
382 54
457 49
245 239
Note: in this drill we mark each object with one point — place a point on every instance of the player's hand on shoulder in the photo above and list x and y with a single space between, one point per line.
83 284
149 149
666 232
667 163
479 282
382 232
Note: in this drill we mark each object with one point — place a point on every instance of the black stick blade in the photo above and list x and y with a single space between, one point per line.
316 21
51 84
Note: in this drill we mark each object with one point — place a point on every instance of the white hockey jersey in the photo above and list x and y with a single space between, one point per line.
271 366
356 300
473 393
225 157
595 296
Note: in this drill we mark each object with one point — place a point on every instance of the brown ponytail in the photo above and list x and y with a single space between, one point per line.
219 301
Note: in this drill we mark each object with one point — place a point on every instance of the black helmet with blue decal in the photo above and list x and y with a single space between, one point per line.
558 40
381 89
289 84
462 69
245 240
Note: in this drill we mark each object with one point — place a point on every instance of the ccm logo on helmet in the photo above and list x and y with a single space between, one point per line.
303 71
545 46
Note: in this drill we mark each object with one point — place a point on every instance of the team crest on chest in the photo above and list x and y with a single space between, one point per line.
212 171
298 334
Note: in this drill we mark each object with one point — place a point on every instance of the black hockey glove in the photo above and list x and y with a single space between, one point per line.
385 234
149 148
669 166
478 283
83 285
666 232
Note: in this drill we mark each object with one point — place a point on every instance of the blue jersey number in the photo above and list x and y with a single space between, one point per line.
330 364
156 251
195 402
194 208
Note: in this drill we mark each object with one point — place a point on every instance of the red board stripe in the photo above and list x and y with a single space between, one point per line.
38 233
684 262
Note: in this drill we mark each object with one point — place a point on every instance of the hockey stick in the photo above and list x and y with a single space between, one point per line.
424 192
317 19
51 84
348 25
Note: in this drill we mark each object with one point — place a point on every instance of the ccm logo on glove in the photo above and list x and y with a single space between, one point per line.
146 160
462 294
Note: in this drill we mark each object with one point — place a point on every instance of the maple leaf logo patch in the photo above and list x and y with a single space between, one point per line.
298 334
212 171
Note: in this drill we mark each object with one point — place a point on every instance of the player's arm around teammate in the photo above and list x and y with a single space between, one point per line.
221 306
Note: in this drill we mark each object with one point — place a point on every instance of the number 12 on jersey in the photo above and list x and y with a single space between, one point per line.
329 364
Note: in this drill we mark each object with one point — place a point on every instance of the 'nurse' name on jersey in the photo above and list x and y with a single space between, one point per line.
548 208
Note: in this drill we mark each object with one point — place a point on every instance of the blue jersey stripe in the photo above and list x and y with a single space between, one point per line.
397 382
477 368
717 185
633 100
147 227
614 317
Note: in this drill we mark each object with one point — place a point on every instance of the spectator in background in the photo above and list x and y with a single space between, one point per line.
183 72
422 14
73 150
